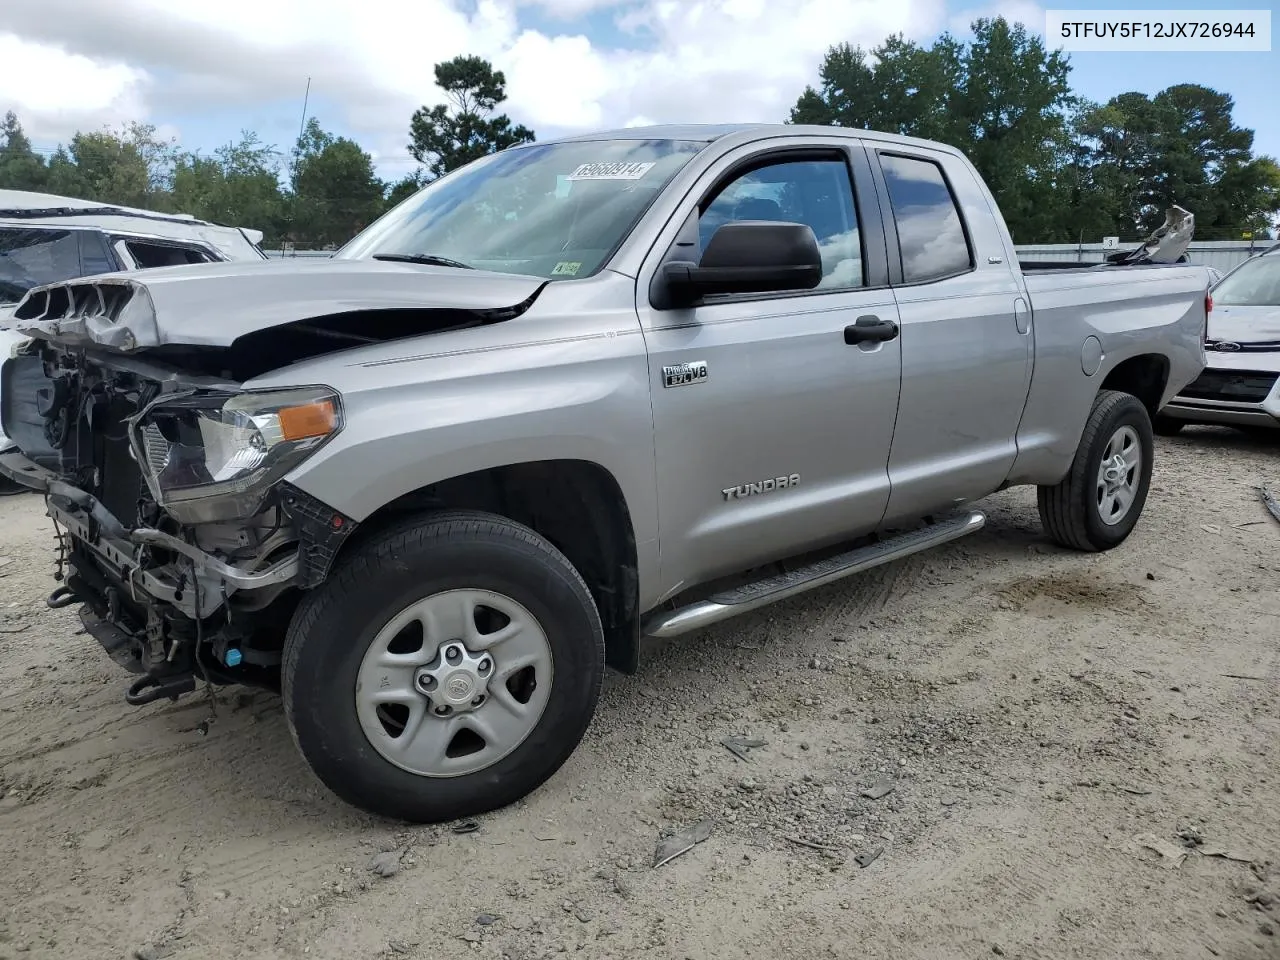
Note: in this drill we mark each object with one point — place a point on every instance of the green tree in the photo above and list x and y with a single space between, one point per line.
1015 101
239 185
335 192
403 189
1180 146
450 135
21 168
1003 99
131 167
900 87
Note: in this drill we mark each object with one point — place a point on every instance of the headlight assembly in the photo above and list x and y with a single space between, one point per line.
214 456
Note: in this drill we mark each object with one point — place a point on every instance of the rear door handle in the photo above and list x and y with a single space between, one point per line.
870 329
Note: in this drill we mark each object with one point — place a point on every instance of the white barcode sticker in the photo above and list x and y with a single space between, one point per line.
611 171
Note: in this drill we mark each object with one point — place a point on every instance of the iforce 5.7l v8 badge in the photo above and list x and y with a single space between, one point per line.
684 374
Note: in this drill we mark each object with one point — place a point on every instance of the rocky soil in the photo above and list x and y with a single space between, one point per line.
996 749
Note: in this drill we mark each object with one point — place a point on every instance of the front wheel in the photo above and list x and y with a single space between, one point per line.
1097 504
446 668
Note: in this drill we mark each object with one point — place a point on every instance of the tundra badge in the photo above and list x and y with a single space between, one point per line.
683 374
761 486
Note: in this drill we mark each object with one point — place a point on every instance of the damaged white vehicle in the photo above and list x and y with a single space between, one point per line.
45 238
1240 384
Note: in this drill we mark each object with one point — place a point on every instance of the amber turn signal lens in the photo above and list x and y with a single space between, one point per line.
309 420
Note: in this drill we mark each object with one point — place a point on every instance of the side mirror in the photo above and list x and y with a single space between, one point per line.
746 256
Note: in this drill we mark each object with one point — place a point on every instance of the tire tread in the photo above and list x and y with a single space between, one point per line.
1062 506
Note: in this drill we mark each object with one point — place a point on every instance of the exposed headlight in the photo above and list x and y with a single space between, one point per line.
214 456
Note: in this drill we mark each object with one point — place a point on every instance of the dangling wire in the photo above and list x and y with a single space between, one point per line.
199 667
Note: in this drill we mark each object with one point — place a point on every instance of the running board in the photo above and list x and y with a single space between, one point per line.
731 603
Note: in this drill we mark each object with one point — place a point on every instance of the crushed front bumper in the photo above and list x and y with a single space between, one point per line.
194 582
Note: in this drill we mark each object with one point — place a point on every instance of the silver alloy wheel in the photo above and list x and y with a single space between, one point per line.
1118 475
454 682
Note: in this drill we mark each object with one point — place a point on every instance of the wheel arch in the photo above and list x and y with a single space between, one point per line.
578 505
1145 376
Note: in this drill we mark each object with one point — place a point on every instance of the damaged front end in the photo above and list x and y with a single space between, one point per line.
177 534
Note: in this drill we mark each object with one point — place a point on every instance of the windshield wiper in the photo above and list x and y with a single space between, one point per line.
425 258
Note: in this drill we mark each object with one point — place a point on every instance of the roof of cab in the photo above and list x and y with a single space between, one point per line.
745 132
695 132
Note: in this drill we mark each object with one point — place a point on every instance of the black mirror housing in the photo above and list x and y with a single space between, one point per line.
747 256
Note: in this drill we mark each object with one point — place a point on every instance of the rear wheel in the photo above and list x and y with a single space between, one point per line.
1097 504
447 668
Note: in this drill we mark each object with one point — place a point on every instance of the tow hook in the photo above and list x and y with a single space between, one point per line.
62 597
149 689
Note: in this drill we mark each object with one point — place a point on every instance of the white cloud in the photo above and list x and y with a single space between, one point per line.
686 60
55 92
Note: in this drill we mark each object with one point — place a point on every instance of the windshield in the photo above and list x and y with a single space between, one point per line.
1254 284
29 258
554 210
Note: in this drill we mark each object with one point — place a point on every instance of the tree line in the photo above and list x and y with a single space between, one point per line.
1063 169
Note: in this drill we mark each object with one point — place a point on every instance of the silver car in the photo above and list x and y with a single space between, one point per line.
1240 385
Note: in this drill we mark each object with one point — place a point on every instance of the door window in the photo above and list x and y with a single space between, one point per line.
817 193
931 234
148 254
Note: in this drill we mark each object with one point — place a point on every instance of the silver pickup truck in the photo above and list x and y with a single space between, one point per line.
574 395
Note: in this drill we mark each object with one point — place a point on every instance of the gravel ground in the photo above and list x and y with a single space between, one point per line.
1081 751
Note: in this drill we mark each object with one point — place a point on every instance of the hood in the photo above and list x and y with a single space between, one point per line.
1245 325
214 304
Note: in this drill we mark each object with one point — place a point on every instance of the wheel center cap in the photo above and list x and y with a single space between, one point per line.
459 687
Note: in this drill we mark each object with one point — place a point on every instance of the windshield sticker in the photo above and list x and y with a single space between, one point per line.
567 268
611 171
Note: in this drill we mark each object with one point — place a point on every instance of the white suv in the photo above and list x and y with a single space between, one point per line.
46 238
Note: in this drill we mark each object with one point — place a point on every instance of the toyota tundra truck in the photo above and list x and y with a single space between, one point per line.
570 397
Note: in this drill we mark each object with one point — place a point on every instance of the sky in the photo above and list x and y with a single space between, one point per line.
202 72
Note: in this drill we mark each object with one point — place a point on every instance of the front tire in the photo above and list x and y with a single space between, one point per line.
1097 504
448 667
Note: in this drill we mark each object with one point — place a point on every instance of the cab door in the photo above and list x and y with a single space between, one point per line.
773 413
966 341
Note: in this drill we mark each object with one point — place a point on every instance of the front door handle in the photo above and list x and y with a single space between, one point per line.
870 329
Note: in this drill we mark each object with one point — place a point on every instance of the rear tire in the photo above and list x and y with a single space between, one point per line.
1097 504
378 709
1167 426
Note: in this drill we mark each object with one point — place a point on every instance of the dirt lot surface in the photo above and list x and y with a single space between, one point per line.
1082 751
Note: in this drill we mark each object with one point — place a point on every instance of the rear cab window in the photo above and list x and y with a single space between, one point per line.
932 240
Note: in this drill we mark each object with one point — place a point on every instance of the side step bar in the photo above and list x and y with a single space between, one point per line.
731 603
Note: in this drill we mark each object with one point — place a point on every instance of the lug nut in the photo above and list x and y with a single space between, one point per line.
443 710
